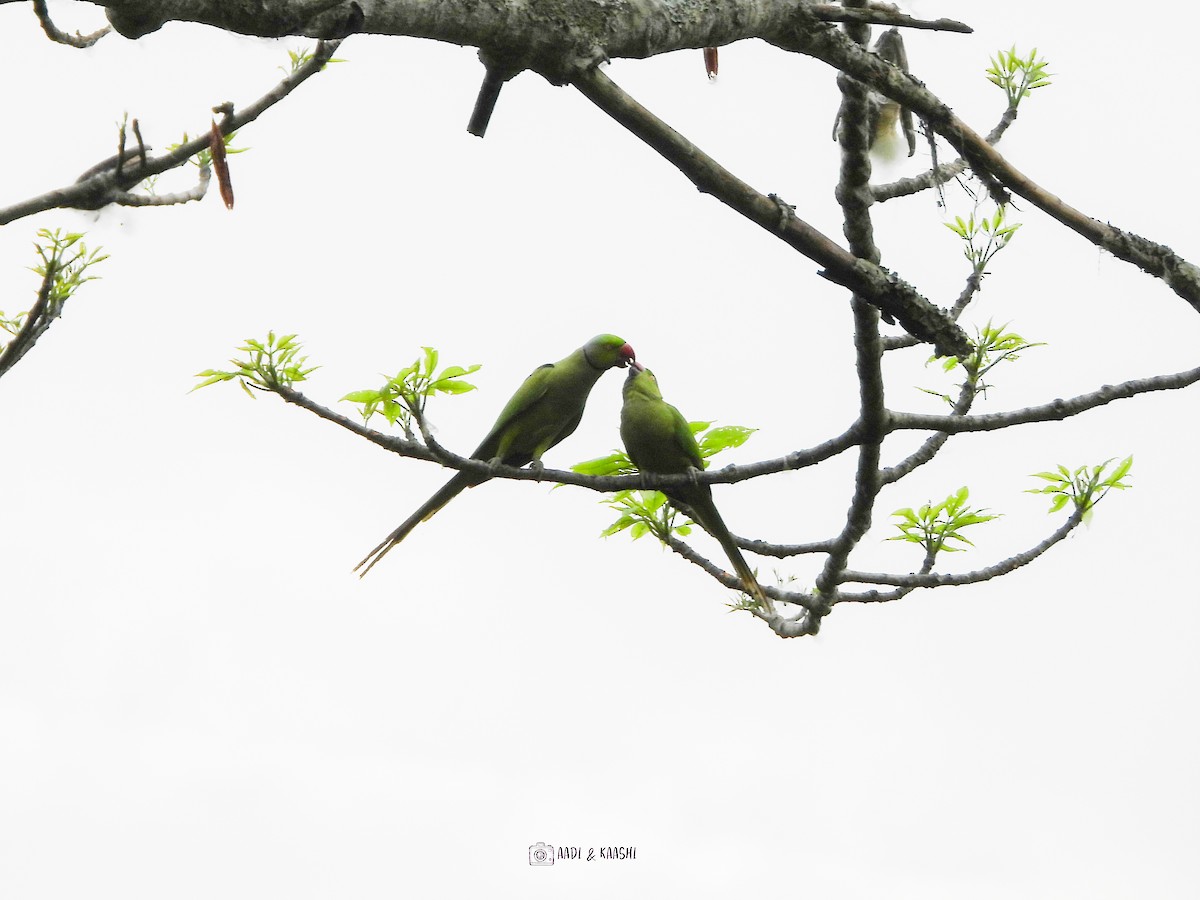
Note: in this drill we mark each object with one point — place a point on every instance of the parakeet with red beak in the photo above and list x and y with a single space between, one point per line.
658 439
546 408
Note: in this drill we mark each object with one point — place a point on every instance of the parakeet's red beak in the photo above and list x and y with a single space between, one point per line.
627 357
635 366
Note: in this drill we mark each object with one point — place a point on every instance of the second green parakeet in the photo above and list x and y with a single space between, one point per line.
546 408
658 439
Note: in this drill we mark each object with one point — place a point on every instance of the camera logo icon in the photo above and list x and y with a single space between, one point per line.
541 854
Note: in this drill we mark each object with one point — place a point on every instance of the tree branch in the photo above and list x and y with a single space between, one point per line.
105 183
1054 411
880 14
71 40
807 601
826 44
549 38
604 483
126 198
855 139
939 174
39 318
880 287
930 447
974 283
932 580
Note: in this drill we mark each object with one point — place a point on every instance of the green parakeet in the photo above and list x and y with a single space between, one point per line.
657 439
545 409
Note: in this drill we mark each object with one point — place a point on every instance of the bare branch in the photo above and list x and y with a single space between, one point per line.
826 44
880 287
783 551
39 318
105 183
126 198
933 579
855 139
71 40
807 601
939 174
926 452
880 14
1054 411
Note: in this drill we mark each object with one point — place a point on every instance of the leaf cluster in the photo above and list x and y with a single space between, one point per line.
645 512
403 396
298 59
992 346
68 259
14 324
268 365
933 525
1085 487
1017 75
983 237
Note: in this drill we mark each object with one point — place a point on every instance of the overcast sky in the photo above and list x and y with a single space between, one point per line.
197 697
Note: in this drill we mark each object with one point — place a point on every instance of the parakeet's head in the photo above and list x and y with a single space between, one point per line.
641 382
607 351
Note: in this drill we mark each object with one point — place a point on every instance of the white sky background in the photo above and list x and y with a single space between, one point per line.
198 699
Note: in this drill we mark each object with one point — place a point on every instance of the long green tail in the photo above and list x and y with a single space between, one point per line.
706 514
448 492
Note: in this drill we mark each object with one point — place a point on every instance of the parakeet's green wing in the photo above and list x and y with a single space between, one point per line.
532 390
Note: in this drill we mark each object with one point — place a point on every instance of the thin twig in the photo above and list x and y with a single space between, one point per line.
934 579
71 40
1054 411
939 175
104 186
881 15
39 318
125 198
734 583
930 447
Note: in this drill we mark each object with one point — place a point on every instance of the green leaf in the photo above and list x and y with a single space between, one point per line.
723 438
615 463
363 396
451 387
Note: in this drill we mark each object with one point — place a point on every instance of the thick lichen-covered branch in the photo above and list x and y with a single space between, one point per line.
545 36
